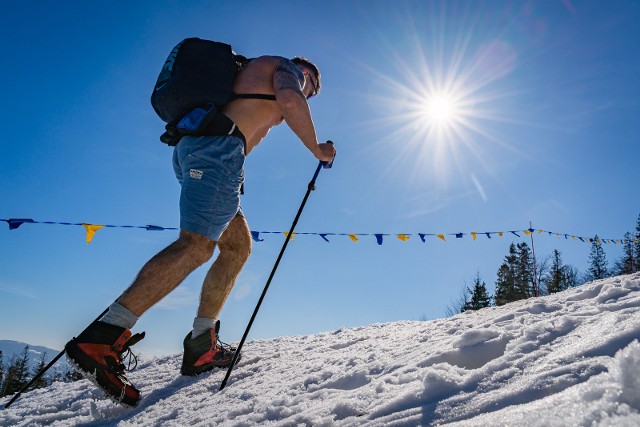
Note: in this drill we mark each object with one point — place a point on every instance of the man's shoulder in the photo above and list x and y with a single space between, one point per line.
269 59
264 63
274 64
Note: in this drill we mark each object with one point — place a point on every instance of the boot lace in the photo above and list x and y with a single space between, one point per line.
128 357
227 348
128 361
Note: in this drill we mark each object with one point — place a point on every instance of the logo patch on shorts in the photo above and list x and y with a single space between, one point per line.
196 174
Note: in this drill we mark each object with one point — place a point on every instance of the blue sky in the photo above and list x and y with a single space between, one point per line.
543 100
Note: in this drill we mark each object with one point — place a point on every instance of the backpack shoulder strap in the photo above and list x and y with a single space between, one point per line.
242 62
254 96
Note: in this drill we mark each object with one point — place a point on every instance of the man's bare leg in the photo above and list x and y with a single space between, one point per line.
166 270
235 247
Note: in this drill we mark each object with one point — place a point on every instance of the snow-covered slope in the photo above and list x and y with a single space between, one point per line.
567 359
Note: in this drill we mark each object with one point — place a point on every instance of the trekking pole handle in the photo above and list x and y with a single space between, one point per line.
321 165
328 165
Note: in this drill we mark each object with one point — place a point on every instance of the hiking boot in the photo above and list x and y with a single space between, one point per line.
99 352
205 353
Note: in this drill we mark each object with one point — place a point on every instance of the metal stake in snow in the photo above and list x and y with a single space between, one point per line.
289 236
533 252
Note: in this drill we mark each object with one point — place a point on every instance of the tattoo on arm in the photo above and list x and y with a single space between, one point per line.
288 76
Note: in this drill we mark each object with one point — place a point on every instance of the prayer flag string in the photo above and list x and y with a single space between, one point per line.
92 229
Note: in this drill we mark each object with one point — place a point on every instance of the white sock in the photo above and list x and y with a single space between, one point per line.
120 315
202 325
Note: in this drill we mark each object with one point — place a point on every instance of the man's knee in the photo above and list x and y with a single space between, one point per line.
236 240
200 247
238 249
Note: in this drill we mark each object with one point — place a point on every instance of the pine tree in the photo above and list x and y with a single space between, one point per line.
504 285
636 247
1 374
506 280
598 268
42 381
72 375
9 378
555 280
17 373
479 296
57 376
515 275
525 287
625 265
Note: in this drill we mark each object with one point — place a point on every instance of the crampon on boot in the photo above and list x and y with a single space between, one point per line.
99 352
205 353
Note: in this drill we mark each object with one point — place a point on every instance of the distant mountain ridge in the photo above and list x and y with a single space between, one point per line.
12 349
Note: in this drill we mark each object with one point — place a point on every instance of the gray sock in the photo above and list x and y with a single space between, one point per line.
120 315
202 325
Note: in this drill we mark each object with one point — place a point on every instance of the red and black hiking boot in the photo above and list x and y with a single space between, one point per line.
205 353
99 352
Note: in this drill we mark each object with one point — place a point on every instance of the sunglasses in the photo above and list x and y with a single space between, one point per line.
313 84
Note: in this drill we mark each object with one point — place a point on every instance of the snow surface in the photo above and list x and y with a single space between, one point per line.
566 359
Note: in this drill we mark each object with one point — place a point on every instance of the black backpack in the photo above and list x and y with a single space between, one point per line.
197 74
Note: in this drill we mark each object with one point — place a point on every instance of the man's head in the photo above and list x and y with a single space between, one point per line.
312 73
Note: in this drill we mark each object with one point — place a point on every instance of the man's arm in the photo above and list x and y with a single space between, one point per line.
288 82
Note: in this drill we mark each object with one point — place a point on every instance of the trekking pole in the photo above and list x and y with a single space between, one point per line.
45 369
310 188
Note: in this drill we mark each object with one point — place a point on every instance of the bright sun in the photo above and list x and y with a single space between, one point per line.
440 101
441 109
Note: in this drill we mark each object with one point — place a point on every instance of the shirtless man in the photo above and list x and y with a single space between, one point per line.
210 171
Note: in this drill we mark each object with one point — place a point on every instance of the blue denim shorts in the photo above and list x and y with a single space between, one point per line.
210 172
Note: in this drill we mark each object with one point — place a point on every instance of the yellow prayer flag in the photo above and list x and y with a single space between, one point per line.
441 236
500 233
91 230
527 232
286 233
353 237
403 237
474 235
